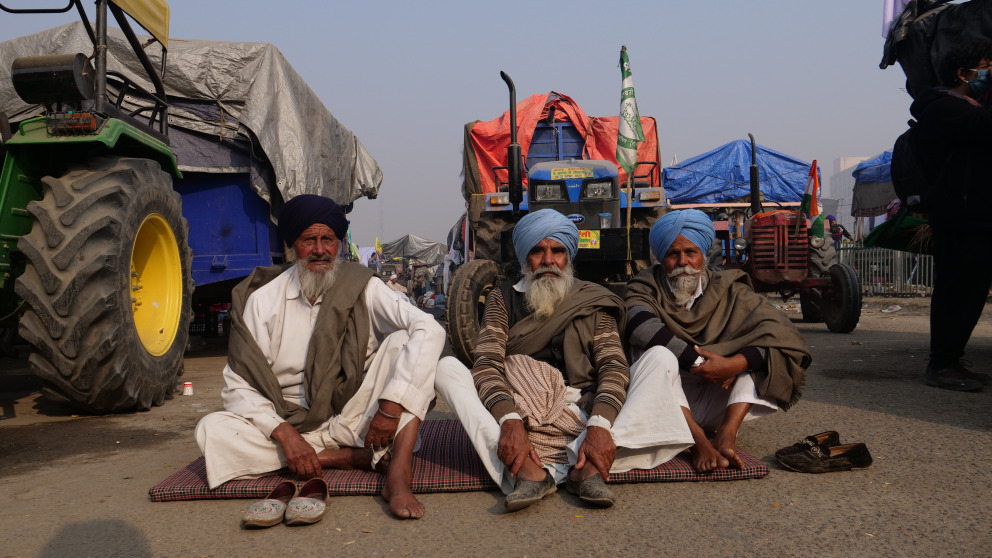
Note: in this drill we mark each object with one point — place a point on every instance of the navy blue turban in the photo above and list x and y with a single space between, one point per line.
690 223
306 210
546 223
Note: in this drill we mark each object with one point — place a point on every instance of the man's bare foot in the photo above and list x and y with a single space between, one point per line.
706 458
401 500
727 446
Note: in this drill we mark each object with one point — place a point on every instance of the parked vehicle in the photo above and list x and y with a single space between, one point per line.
135 183
780 255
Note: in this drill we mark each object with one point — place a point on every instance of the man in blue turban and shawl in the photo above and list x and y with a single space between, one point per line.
738 356
327 369
550 398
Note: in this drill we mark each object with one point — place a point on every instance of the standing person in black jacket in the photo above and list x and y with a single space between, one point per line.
953 144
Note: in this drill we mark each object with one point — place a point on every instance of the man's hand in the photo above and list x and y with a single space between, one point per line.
598 448
382 429
300 456
718 369
515 447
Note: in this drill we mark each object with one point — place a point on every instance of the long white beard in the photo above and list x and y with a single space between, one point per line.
315 283
544 293
684 281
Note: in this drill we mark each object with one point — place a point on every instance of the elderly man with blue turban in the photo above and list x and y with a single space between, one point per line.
327 369
550 398
738 356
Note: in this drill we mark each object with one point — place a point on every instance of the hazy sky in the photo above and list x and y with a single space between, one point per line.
406 77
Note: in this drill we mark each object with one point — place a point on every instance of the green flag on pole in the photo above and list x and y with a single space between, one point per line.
629 131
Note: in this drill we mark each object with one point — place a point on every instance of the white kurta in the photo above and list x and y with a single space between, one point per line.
649 430
403 349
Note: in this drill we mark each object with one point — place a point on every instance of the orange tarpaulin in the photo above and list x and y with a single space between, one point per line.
486 142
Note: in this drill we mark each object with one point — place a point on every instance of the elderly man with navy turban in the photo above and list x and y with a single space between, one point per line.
550 398
327 369
738 356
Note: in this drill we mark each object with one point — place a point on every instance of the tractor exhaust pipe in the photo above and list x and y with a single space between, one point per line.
755 185
513 150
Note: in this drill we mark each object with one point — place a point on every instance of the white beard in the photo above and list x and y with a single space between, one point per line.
545 293
684 281
315 283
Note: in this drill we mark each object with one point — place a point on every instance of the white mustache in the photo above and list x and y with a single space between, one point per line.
684 270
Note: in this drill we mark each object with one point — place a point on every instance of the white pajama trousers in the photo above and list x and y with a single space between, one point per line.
649 430
235 449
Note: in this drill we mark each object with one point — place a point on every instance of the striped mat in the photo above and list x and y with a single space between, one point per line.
446 462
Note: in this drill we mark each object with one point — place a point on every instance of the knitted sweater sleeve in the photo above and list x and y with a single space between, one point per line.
614 374
489 370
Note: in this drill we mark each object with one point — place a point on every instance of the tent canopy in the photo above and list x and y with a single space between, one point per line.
415 248
235 107
724 174
873 186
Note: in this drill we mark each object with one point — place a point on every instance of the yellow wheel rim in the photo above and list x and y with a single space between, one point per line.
156 284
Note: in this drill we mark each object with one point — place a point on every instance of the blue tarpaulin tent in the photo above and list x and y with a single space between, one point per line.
723 175
873 186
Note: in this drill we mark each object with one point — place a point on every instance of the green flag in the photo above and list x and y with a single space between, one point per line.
629 130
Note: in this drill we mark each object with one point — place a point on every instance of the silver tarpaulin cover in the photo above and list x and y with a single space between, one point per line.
228 100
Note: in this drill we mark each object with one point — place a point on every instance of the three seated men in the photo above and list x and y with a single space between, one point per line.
550 398
327 367
330 368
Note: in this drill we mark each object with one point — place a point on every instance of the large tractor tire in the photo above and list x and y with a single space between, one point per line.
488 235
107 286
842 301
466 300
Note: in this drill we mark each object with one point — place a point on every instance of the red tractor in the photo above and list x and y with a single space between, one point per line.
779 255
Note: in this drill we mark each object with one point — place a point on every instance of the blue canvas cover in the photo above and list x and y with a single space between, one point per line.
874 170
724 174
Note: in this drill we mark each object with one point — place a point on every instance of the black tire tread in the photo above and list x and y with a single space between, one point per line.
842 305
470 283
76 286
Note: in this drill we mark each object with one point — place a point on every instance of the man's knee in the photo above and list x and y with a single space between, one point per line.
450 373
656 360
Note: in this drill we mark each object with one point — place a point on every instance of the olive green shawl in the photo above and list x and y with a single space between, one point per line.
336 355
726 318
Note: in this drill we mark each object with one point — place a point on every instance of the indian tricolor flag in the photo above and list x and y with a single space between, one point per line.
811 202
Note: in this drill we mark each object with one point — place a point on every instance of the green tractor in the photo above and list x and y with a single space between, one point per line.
94 258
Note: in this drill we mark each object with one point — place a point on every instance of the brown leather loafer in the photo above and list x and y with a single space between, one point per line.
823 439
819 459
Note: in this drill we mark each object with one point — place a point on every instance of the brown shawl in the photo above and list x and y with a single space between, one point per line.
577 316
726 318
335 357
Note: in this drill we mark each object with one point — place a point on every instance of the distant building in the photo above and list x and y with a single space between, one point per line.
841 188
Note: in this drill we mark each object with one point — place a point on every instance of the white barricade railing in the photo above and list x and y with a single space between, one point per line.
886 272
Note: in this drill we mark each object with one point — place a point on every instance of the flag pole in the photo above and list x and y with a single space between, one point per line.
629 133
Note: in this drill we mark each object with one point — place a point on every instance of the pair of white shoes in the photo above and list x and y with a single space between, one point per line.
284 503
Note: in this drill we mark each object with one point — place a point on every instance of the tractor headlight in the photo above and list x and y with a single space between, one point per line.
549 192
740 244
597 191
816 241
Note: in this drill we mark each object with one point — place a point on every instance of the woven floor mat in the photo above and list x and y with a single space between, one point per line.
446 462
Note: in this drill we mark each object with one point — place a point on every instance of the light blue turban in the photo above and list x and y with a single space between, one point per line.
690 223
546 223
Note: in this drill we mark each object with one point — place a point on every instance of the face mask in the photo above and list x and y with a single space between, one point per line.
981 84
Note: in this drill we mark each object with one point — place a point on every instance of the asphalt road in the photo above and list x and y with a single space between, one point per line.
78 485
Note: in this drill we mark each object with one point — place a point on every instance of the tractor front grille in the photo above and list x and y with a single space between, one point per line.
778 252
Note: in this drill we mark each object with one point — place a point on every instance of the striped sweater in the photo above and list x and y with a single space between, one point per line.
489 371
